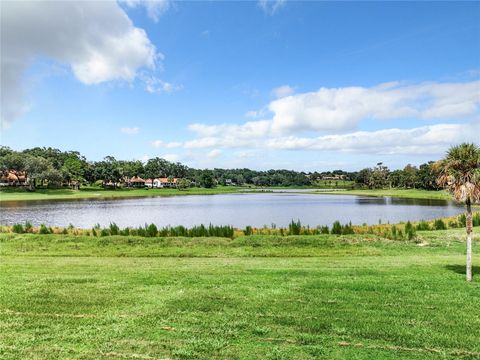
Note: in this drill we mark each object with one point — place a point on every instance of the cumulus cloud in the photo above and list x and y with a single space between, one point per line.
331 110
332 116
170 157
282 91
162 144
129 130
154 8
270 7
215 153
96 39
430 139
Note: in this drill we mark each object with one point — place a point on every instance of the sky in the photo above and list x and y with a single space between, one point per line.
309 86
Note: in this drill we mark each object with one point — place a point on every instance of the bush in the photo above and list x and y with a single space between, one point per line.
151 230
43 229
423 226
324 230
104 232
439 225
410 232
347 229
248 230
18 228
476 219
114 229
336 228
28 227
294 228
462 220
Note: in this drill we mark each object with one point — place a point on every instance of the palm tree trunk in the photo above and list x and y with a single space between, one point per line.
469 241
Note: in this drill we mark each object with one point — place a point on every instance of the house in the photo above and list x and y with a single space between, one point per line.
137 182
165 182
162 182
229 182
13 178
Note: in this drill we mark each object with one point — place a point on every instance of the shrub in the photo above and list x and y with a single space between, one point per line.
104 232
410 232
151 230
462 220
248 230
43 229
324 230
65 231
452 224
423 226
336 228
18 228
393 232
28 227
114 229
476 219
347 229
294 228
439 225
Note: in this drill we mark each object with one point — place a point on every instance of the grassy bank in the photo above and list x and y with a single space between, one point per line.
268 297
99 193
399 193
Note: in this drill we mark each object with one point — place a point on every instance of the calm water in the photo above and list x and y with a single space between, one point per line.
238 210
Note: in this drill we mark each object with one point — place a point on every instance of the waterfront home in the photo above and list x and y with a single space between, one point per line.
137 182
13 178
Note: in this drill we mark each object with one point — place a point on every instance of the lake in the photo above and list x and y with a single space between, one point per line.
239 210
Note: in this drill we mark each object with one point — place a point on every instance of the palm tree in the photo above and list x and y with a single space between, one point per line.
460 174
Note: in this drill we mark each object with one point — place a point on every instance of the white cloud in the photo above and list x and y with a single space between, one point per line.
215 153
154 84
334 114
430 139
154 8
343 108
162 144
129 130
170 157
282 91
270 7
96 39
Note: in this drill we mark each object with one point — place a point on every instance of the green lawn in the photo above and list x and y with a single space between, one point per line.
92 193
262 297
401 193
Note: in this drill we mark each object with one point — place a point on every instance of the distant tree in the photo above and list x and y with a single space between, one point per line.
154 168
460 174
183 184
38 169
427 176
206 179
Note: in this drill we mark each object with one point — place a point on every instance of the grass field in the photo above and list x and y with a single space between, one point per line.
400 193
92 193
261 297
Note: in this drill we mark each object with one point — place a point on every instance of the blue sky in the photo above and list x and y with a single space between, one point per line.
280 84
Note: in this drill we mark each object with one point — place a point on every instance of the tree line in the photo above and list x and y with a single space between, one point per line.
52 167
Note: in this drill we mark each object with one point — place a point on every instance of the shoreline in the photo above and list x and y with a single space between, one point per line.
101 194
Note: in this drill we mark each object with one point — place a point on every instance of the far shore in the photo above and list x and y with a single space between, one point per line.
9 195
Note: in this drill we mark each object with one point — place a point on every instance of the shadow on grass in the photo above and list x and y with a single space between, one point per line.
460 269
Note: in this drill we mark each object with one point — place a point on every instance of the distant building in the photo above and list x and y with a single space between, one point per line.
136 182
162 183
13 178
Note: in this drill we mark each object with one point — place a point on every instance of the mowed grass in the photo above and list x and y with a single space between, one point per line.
99 193
399 193
260 297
